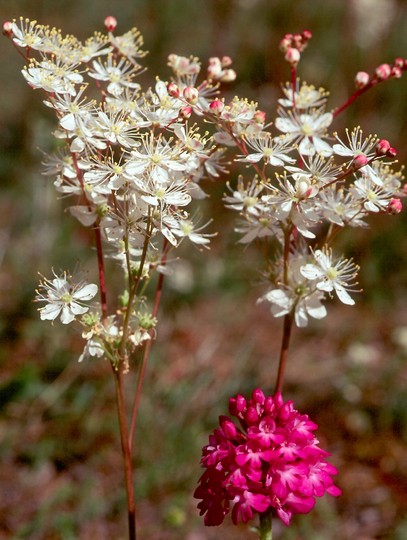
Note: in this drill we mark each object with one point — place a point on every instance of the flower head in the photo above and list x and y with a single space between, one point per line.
64 297
271 461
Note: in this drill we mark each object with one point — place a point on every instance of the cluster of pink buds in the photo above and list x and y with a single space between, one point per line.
381 73
292 46
271 462
219 69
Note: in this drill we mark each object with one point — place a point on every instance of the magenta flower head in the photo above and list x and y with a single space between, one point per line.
271 461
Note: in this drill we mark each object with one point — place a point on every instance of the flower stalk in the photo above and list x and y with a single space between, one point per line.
265 529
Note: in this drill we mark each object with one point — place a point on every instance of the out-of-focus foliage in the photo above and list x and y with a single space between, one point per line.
60 469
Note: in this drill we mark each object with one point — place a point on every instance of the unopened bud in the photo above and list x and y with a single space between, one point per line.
382 147
286 42
237 405
185 112
173 90
306 35
229 75
360 161
399 62
396 72
226 61
258 396
259 117
292 56
8 28
110 23
391 153
228 427
251 416
395 206
383 72
362 79
216 106
269 405
191 94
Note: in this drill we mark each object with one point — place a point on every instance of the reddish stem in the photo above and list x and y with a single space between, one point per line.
126 453
147 351
288 323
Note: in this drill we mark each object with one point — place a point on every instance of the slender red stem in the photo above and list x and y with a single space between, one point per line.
101 270
288 323
147 351
126 453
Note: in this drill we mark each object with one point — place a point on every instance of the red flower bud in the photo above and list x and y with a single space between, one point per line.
110 23
8 28
382 147
173 90
395 206
383 72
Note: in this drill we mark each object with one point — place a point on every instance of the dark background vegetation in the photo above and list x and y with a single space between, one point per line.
60 468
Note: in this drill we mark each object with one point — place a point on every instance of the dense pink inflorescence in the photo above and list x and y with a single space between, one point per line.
273 460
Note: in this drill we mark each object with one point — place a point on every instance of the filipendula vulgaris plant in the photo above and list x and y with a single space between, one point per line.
131 162
308 185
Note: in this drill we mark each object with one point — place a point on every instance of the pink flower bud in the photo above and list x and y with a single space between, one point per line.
306 35
362 79
399 62
237 405
395 206
191 94
228 427
173 89
269 405
391 153
382 147
258 396
251 416
360 161
229 75
185 112
292 56
383 72
110 23
8 28
226 61
216 106
396 72
286 42
259 117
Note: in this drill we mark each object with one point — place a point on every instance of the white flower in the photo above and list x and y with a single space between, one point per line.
332 276
64 297
272 151
309 129
304 98
298 295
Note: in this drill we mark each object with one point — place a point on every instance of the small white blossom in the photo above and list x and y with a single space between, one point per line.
64 297
332 275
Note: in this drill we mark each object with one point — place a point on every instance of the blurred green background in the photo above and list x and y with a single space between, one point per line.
60 469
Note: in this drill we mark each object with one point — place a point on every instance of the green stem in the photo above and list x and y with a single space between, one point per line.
265 528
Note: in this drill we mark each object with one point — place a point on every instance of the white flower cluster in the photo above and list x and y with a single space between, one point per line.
128 158
308 185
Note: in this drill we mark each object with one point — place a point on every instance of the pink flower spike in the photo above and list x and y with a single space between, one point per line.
273 463
110 23
383 72
395 206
